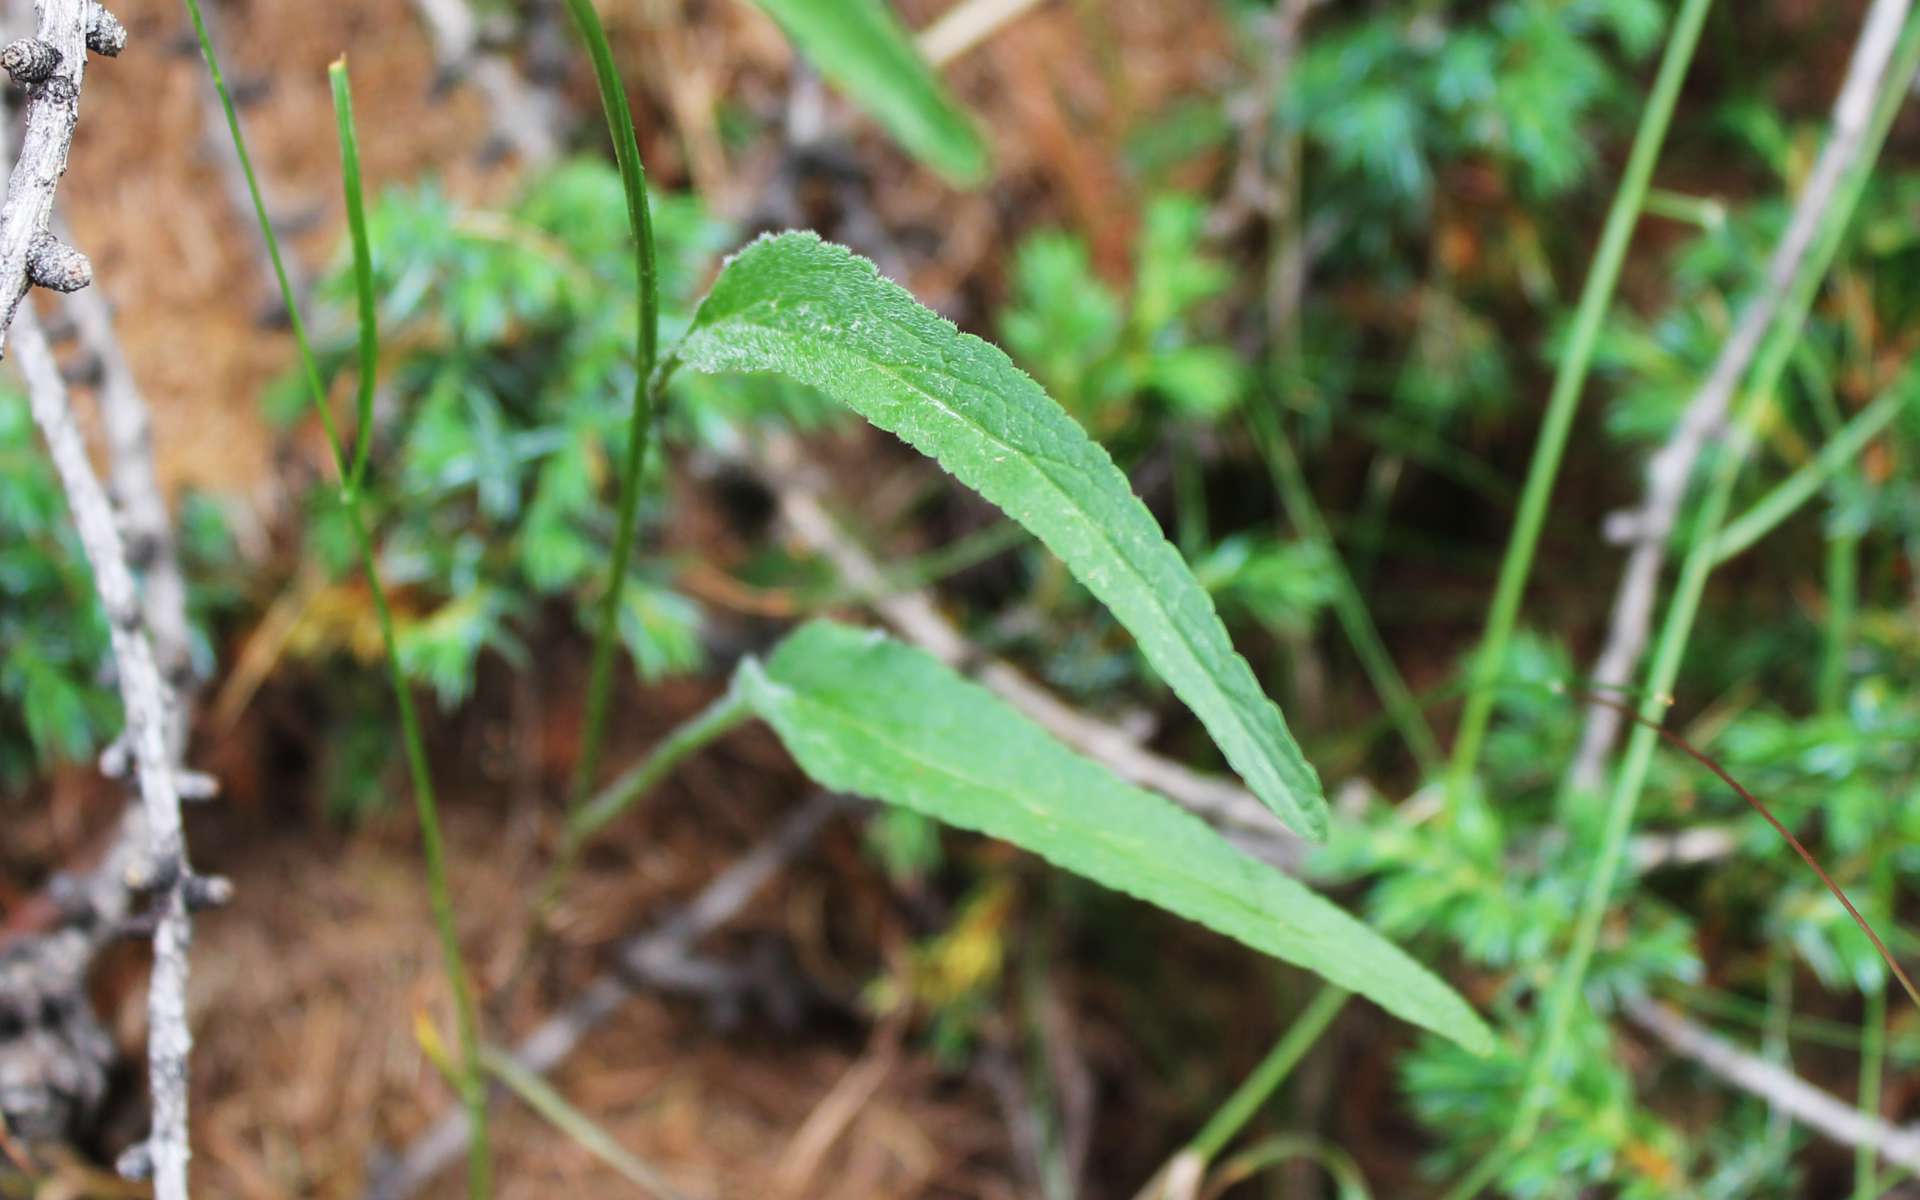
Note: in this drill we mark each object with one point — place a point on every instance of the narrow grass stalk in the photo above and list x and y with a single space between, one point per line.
1873 1057
1819 1031
472 1084
646 388
725 714
1776 1045
1697 566
1184 1175
1277 1151
1843 586
362 273
1569 379
1786 497
1255 1090
1348 605
1843 582
540 1096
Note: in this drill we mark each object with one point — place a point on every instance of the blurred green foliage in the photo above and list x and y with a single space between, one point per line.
53 639
505 389
57 700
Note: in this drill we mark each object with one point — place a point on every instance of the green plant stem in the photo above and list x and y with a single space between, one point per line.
723 715
1569 379
1254 1091
1190 486
1819 1031
298 327
1786 497
1677 627
1873 1057
1348 605
472 1084
927 569
1843 586
541 1096
362 272
647 387
1483 1172
1776 1044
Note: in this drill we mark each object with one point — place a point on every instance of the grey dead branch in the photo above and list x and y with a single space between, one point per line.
52 1071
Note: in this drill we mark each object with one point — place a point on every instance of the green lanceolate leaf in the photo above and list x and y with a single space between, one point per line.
800 307
868 715
862 47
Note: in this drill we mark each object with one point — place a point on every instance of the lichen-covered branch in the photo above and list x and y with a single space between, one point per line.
50 66
126 427
145 865
161 870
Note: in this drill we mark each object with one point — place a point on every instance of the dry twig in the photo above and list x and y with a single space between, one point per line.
146 861
1780 1088
966 25
161 868
127 426
50 65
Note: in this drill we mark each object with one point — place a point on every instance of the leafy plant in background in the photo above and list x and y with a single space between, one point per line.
505 363
861 46
1441 149
1498 885
55 704
1393 97
53 638
1147 370
1499 889
1126 366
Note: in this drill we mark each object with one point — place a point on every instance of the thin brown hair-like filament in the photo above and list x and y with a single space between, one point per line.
1806 856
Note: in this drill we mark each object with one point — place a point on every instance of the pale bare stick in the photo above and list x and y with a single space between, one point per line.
163 869
966 25
1824 1114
